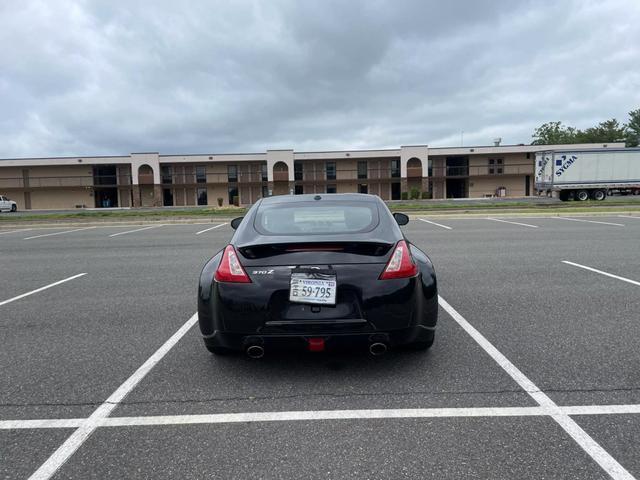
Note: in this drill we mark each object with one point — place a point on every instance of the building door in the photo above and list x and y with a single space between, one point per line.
456 188
395 191
527 185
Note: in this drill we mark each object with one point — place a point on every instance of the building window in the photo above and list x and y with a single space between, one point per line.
265 191
331 189
201 175
232 173
167 197
363 188
495 166
395 168
233 196
202 196
331 170
430 168
166 174
299 190
265 175
297 170
362 169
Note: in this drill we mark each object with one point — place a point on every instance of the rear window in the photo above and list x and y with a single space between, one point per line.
316 218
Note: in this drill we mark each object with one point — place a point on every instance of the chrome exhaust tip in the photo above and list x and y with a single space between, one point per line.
255 351
376 349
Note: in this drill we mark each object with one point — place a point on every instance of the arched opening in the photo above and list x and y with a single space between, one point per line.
280 178
146 189
414 178
414 168
145 175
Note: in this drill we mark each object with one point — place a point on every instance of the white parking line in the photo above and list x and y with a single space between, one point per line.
37 290
591 269
582 438
212 228
513 223
628 216
136 230
434 223
58 233
316 415
589 221
16 231
89 425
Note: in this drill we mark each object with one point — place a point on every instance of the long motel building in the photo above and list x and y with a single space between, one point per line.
156 180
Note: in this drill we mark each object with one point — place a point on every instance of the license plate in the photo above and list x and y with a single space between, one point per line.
319 288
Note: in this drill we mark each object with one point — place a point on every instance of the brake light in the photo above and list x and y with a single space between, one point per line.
230 269
401 264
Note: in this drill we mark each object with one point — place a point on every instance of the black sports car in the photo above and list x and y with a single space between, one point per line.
318 271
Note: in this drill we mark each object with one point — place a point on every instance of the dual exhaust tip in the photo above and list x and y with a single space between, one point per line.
376 349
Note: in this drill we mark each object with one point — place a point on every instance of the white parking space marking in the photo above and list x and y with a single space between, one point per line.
58 233
37 290
16 231
212 228
317 415
589 221
513 223
136 230
88 426
582 438
434 223
628 216
591 269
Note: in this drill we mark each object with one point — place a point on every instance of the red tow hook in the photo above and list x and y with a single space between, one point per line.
316 344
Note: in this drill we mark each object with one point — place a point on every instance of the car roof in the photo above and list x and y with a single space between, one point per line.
326 197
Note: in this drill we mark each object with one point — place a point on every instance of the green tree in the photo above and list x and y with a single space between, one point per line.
633 128
554 133
605 132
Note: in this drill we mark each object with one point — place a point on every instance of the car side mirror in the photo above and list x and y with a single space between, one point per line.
401 218
235 223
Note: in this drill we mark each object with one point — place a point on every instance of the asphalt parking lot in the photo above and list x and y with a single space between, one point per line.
534 372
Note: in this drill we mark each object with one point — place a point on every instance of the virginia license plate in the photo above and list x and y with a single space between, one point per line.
317 288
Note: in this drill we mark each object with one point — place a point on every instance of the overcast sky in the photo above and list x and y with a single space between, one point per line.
114 77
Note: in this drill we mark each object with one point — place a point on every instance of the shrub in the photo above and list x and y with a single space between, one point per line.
426 195
404 195
415 193
220 200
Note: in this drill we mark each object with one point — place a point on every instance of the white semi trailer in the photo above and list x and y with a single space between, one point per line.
588 174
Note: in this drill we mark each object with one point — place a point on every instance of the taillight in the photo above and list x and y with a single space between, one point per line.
230 270
401 264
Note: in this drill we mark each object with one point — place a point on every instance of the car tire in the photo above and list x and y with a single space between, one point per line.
14 208
563 195
582 195
599 195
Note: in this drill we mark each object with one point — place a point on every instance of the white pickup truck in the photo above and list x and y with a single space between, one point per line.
7 205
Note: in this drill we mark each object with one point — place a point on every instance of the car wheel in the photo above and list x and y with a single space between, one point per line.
582 195
14 208
599 195
563 195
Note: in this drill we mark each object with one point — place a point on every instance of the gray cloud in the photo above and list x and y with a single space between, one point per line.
102 77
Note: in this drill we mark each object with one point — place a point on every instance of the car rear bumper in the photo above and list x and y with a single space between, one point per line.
332 341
